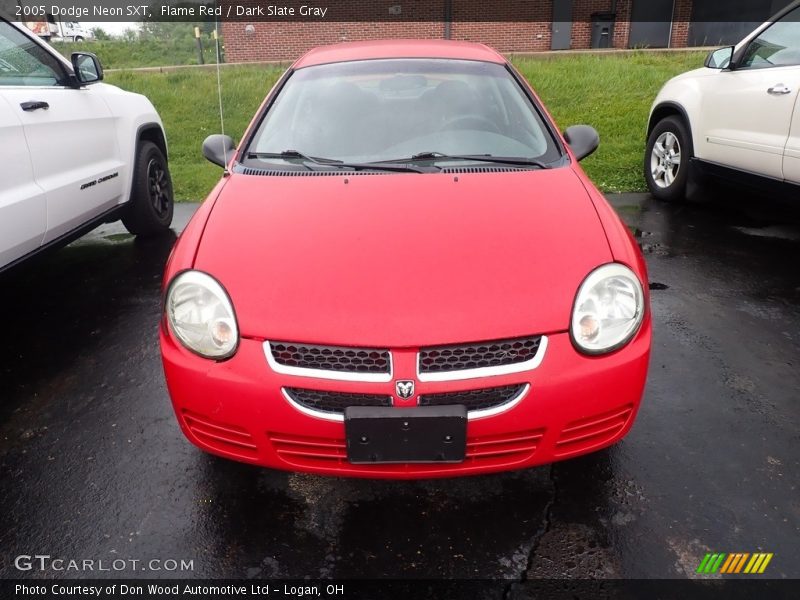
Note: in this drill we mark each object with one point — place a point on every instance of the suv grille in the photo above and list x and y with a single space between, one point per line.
460 357
331 358
475 399
334 402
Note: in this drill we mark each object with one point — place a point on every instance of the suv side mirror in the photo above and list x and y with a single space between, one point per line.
720 58
583 140
87 68
217 148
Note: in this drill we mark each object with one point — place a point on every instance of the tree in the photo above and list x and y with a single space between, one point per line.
130 35
100 34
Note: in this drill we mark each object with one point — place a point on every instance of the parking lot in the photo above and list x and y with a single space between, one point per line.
93 464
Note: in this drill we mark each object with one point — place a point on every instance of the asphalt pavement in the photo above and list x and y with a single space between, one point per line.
93 464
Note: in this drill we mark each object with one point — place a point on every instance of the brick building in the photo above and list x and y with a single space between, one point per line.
508 25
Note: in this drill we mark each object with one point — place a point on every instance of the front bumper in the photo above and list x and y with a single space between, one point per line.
575 404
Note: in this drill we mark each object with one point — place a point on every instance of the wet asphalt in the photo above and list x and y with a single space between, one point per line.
93 464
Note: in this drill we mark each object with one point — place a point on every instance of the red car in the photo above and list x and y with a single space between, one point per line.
404 273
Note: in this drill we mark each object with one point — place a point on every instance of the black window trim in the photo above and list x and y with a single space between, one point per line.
738 57
66 74
562 159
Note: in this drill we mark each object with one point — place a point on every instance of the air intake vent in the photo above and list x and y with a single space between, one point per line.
498 451
331 358
298 173
222 437
592 432
334 402
460 357
481 169
482 399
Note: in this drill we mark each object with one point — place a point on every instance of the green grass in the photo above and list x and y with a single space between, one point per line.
124 54
611 92
188 104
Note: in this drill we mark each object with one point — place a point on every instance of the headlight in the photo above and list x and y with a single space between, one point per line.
608 309
201 316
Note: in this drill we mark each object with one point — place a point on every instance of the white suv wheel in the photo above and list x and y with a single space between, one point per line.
666 162
665 159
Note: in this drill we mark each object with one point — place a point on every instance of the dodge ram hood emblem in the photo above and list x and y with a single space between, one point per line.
404 389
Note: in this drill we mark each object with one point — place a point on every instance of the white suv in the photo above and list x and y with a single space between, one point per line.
73 155
738 118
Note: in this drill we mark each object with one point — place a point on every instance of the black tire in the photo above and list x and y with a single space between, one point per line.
149 211
78 38
666 160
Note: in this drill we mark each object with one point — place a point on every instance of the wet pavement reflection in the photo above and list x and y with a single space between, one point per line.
92 463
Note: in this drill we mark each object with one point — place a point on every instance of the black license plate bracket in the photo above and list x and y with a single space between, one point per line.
423 434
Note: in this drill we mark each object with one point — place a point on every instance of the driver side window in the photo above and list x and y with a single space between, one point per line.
778 46
23 62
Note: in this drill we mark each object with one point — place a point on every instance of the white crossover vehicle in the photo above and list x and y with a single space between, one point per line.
74 152
737 118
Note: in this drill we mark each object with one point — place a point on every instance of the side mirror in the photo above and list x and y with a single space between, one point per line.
720 58
583 140
87 68
217 148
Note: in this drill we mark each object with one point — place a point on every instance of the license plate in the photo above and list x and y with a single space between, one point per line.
424 434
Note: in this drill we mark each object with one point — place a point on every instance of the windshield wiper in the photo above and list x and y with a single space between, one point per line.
289 154
332 162
503 160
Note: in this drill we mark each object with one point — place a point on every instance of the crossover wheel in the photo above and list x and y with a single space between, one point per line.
666 164
149 211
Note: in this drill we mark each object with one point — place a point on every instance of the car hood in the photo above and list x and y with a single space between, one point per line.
402 260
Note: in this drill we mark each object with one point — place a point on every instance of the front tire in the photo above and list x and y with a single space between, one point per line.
149 211
666 161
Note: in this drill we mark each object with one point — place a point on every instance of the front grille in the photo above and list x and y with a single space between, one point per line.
475 399
460 357
334 402
342 359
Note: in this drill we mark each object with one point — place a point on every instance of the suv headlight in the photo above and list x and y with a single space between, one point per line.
201 315
608 309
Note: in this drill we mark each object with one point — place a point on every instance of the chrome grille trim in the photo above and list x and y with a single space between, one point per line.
477 400
328 416
521 367
501 408
332 401
326 374
471 415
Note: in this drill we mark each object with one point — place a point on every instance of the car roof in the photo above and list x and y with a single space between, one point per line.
378 49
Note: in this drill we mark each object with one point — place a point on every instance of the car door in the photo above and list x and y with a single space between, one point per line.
71 134
23 216
791 157
747 111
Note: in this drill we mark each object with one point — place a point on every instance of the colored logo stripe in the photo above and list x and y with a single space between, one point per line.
710 563
734 563
758 563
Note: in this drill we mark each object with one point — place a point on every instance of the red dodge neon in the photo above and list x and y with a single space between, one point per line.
404 273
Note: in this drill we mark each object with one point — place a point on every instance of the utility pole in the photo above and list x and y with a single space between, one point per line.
200 60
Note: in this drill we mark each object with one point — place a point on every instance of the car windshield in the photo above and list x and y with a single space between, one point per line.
394 109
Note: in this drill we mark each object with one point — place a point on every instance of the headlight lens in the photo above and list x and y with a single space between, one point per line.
608 309
201 315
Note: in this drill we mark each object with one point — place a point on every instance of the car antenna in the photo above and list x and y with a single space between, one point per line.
225 172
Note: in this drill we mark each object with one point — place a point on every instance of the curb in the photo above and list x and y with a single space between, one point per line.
543 54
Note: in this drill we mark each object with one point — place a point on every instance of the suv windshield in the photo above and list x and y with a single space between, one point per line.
384 110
